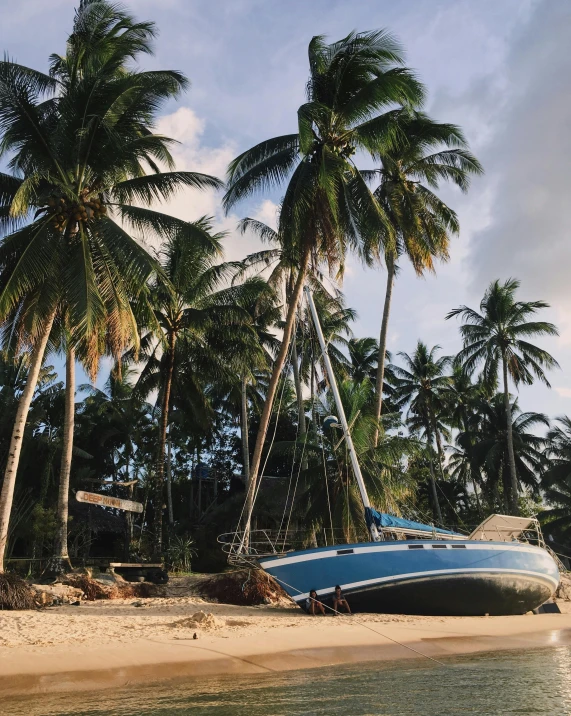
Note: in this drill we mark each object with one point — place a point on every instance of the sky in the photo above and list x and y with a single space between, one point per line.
498 69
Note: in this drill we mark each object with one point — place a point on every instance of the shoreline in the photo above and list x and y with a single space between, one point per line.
111 645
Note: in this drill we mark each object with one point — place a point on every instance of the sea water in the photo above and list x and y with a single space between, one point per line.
500 683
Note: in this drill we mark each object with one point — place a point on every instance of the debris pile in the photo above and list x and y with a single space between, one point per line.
16 593
48 595
94 589
247 587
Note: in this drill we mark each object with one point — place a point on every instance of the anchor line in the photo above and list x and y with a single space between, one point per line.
375 631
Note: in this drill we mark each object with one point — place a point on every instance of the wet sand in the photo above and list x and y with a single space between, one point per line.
114 643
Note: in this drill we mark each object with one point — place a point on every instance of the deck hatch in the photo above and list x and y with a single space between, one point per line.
345 551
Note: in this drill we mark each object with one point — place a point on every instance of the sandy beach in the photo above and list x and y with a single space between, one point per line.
112 643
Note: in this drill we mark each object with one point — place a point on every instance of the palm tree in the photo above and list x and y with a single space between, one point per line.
497 337
491 447
79 161
363 355
280 264
61 556
559 452
556 480
327 207
463 398
242 391
422 223
203 333
419 386
119 421
330 499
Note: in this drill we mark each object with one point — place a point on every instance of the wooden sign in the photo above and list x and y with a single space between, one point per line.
105 501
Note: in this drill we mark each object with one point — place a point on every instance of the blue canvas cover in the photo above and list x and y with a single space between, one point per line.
381 519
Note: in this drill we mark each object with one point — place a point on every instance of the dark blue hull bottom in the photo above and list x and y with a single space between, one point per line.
453 595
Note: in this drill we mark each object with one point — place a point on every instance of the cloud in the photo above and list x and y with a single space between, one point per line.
529 234
193 154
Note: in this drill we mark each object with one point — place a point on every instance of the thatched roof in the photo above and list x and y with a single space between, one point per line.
102 519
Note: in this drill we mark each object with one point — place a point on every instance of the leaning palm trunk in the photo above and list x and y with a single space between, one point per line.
160 472
61 557
511 456
244 431
383 346
271 394
7 494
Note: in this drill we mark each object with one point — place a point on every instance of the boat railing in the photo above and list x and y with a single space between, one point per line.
266 542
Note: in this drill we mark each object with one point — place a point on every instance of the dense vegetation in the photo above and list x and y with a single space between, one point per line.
217 377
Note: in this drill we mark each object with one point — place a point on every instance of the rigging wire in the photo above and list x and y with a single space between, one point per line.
294 453
261 474
327 489
295 490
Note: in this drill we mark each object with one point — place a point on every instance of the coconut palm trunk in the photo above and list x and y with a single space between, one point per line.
7 494
244 431
160 470
169 480
271 394
474 468
432 478
511 456
439 448
391 268
61 556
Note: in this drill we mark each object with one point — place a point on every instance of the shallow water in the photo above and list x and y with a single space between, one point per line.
499 683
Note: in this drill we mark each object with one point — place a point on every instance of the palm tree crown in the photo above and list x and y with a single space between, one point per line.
327 207
421 222
497 337
500 332
420 386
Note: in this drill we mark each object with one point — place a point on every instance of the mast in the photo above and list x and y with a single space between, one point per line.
346 432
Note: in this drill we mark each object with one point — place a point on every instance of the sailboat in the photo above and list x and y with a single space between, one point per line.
502 567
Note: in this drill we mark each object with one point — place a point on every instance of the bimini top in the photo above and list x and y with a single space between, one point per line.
503 528
382 520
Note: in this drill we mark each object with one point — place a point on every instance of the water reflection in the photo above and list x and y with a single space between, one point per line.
533 682
562 658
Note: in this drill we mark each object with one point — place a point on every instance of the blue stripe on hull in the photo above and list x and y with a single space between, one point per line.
501 576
